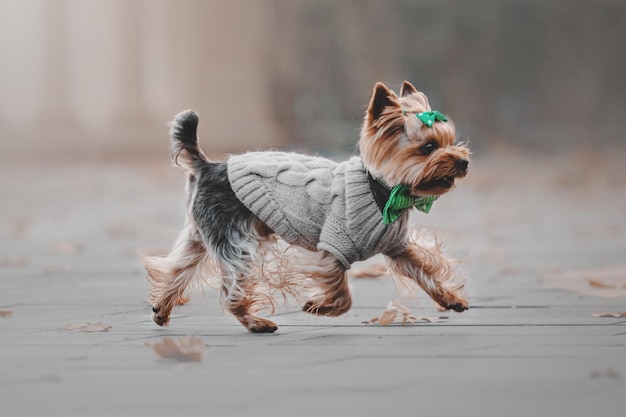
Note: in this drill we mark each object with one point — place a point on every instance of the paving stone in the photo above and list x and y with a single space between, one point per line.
522 349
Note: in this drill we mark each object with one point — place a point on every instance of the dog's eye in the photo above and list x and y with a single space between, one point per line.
429 148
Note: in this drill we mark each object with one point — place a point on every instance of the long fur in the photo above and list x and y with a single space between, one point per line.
170 275
225 245
184 149
425 264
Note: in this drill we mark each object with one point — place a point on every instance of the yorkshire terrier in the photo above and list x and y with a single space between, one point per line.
338 213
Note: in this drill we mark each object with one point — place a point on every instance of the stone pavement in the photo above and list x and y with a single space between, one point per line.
68 247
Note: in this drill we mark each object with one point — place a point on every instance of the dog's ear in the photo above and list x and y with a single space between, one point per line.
407 89
381 98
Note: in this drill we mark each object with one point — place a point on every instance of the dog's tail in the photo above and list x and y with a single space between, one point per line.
184 149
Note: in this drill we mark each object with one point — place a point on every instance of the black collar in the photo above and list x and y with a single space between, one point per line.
379 191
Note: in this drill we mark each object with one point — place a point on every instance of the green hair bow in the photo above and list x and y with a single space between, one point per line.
430 117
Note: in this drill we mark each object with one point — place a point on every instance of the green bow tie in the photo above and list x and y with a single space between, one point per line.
400 200
430 117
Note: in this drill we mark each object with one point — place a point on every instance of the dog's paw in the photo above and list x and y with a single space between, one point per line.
458 307
336 308
312 307
258 324
159 317
451 300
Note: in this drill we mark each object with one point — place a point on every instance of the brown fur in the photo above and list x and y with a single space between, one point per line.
393 153
170 275
256 267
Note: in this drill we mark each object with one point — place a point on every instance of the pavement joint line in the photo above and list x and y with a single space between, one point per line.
431 356
512 307
309 328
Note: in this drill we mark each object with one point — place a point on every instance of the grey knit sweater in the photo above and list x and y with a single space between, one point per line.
316 203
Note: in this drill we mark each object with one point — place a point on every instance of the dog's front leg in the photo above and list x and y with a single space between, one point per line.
330 279
433 272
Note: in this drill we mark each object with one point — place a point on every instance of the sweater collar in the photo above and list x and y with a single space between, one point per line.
380 191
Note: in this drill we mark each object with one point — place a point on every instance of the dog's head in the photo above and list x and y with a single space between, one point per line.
404 142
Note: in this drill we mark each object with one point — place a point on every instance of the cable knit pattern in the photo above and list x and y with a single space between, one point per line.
316 203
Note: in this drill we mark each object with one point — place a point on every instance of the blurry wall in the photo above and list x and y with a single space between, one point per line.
101 77
542 74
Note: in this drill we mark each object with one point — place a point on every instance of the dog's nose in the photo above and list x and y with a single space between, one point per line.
461 164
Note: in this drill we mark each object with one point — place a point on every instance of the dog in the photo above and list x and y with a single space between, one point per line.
336 213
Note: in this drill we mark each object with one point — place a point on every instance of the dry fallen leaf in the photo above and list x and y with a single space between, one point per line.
608 282
371 271
6 313
119 231
614 315
14 262
183 349
599 284
609 374
88 327
65 248
63 267
19 227
389 315
395 309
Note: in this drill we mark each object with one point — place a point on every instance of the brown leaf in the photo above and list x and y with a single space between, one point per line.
119 231
19 227
609 374
614 315
599 284
608 282
6 313
88 327
184 349
14 262
62 267
66 248
395 309
388 316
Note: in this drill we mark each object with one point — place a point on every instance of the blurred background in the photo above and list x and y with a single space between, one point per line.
538 89
99 79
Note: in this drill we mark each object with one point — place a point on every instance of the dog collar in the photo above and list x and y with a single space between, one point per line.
430 117
394 201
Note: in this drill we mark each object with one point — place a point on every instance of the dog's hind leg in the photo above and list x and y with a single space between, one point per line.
235 256
232 235
170 275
